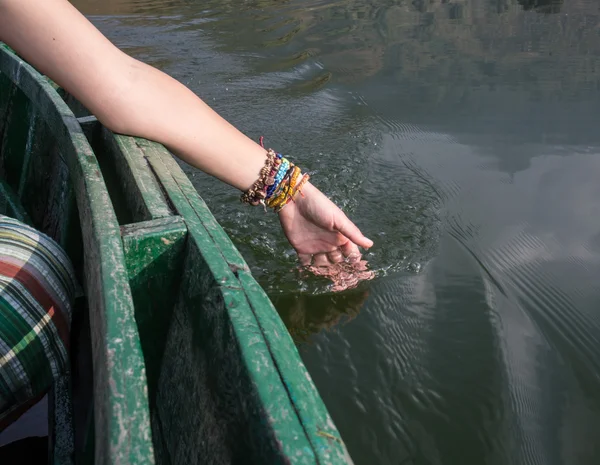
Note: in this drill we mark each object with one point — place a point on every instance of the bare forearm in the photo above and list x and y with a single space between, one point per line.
125 94
177 118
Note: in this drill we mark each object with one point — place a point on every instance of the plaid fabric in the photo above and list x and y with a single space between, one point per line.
37 289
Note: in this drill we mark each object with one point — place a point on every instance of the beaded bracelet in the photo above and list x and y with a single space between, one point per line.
284 192
297 190
257 191
283 168
278 183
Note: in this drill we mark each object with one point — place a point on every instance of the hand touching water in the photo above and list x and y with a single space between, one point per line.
325 239
133 98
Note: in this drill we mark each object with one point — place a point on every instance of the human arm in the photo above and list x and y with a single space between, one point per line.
133 98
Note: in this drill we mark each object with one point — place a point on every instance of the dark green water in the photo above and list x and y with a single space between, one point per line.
462 136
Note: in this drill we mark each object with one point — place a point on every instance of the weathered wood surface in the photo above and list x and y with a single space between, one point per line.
230 383
230 386
233 344
154 255
225 381
31 110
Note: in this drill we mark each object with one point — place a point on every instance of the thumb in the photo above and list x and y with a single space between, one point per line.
351 231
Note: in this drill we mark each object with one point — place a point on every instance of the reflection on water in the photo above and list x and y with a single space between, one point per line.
461 136
542 6
307 314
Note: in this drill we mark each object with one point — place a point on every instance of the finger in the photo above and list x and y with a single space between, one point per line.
351 231
305 259
321 259
351 252
336 256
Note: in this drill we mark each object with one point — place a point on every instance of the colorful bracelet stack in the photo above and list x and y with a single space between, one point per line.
278 183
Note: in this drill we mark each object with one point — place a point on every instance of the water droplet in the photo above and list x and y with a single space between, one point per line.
415 267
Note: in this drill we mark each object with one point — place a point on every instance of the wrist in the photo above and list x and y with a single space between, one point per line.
279 183
308 191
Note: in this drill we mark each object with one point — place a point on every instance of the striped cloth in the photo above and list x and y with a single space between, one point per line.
37 289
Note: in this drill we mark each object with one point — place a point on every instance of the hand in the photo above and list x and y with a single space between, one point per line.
324 238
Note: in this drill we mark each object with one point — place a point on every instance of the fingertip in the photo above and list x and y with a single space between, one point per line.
364 242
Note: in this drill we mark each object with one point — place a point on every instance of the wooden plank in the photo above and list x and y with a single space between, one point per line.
256 324
123 202
134 167
121 406
154 257
318 424
219 400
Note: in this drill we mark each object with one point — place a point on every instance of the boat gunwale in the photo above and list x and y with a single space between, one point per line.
282 354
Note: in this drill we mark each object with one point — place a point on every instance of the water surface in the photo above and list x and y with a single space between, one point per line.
462 137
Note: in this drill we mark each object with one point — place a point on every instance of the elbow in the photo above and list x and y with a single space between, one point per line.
116 104
115 113
116 122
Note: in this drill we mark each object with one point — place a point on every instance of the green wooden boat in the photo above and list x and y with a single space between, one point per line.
178 356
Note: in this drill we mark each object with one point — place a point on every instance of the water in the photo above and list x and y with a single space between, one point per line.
462 137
